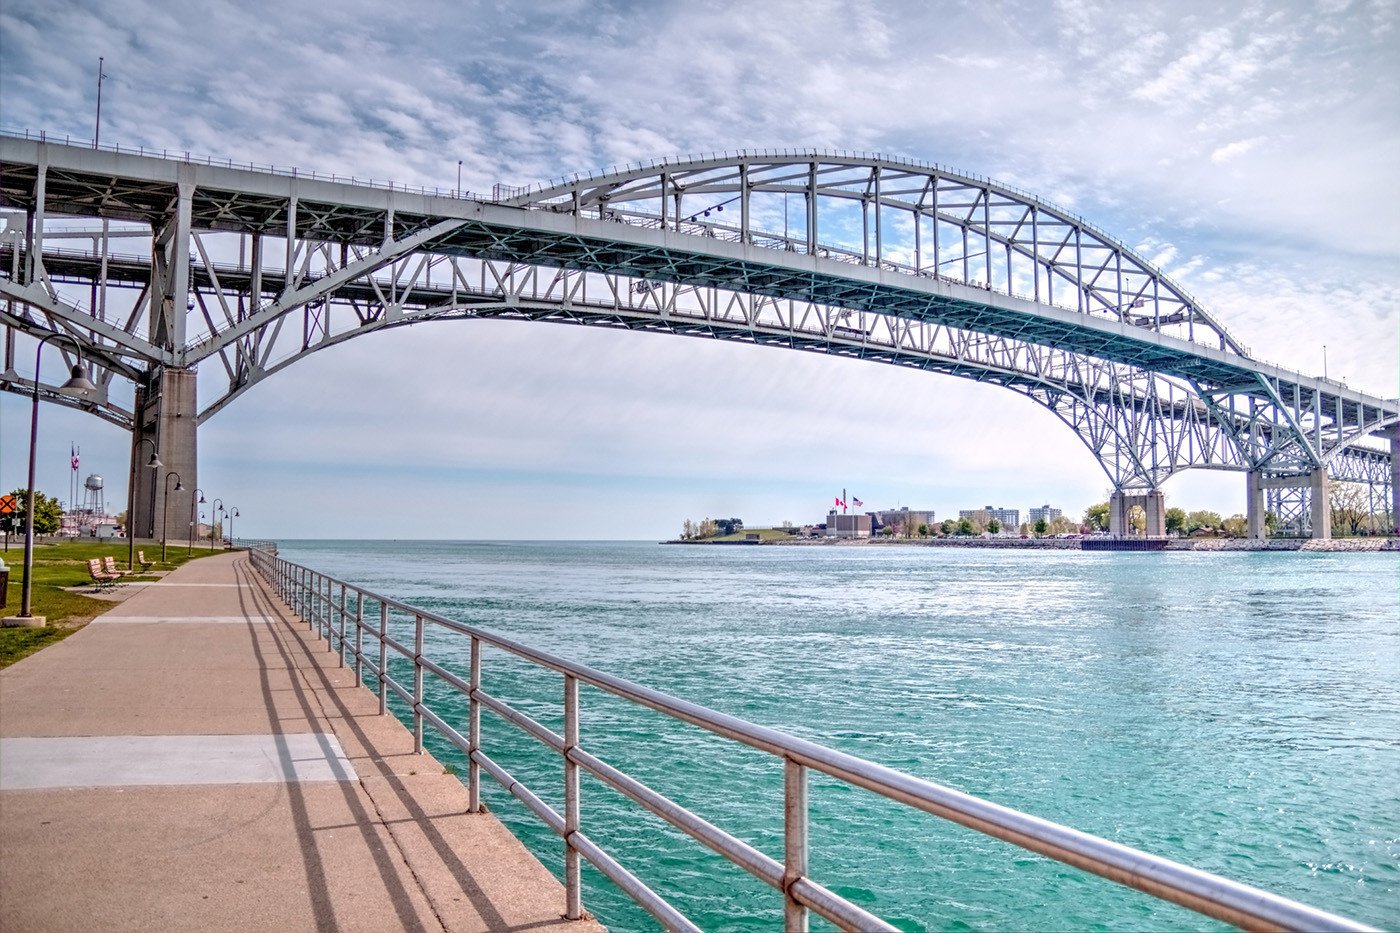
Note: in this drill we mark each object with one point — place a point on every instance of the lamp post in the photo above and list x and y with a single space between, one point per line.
233 513
214 511
154 464
165 510
78 384
189 551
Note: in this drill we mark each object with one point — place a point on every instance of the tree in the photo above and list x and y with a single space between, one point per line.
1062 525
687 530
923 531
1350 508
1203 519
948 527
965 527
994 526
1236 526
1041 526
1176 520
48 513
706 529
728 526
1096 517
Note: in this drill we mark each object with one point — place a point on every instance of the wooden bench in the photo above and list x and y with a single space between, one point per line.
141 559
101 577
109 564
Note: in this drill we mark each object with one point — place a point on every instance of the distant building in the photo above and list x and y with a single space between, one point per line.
1045 514
847 526
1010 519
903 517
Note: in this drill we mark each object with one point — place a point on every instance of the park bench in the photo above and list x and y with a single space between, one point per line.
141 559
101 577
109 564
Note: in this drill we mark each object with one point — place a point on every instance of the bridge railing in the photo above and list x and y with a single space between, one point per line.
347 616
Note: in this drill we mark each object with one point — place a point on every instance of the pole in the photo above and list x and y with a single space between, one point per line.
459 178
97 130
194 503
27 588
131 497
165 510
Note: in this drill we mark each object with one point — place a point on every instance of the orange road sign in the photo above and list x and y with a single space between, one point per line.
8 504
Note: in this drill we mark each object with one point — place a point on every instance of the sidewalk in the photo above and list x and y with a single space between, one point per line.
193 760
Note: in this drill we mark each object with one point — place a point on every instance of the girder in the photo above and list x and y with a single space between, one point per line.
1038 300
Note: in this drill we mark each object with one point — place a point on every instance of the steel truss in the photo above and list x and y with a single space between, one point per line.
270 269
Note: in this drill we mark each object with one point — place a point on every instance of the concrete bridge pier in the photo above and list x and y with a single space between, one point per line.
1395 478
1316 481
166 412
1254 508
1121 504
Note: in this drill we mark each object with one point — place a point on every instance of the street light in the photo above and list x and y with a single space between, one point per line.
154 464
189 551
80 385
233 513
214 510
165 510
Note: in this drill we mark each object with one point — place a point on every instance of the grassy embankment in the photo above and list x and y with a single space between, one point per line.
764 534
61 565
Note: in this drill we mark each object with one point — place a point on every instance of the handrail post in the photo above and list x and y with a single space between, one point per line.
340 652
573 880
474 730
327 609
383 655
794 842
359 636
417 684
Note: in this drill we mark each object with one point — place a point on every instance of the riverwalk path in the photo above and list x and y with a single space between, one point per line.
196 759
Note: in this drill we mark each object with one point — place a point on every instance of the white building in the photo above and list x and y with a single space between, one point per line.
1044 513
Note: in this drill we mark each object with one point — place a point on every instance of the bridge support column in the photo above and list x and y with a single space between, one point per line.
1254 508
166 412
1154 507
1394 479
1320 503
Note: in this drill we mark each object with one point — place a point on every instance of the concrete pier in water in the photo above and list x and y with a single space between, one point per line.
195 759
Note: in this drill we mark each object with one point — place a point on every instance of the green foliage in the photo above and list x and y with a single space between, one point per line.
1176 520
948 527
1203 519
965 527
1096 517
1236 526
923 531
48 513
728 526
994 526
1041 526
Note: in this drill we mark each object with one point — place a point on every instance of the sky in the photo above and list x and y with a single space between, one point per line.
1251 151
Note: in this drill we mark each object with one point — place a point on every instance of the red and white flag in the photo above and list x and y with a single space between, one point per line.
839 503
73 454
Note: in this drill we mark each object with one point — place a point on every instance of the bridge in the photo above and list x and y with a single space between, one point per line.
157 262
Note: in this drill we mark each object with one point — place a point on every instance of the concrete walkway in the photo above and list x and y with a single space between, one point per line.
193 760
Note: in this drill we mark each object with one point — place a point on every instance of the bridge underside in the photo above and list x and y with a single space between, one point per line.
182 263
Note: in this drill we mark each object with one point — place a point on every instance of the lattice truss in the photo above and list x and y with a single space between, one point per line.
270 279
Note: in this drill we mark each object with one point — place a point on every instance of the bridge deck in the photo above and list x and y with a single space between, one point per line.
194 760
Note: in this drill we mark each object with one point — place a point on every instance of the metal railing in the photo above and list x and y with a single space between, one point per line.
343 614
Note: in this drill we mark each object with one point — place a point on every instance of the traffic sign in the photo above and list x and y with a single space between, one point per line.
8 503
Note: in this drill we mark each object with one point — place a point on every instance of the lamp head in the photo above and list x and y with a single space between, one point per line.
78 383
155 463
179 486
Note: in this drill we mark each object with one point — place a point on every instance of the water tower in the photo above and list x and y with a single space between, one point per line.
93 503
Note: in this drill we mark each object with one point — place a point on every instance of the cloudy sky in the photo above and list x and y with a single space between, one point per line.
1251 150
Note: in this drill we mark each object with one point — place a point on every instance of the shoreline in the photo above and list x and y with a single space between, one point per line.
1205 545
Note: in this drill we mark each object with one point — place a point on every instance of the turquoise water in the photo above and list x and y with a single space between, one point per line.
1237 712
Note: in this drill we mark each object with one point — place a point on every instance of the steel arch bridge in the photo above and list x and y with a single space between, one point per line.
157 264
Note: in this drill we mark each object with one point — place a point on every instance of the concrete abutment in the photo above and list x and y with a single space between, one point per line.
1121 504
166 413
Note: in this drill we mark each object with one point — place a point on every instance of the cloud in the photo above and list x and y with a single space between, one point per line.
1254 152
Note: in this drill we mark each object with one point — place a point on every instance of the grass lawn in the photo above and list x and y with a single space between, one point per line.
61 565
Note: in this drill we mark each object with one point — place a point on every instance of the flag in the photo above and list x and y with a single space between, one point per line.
856 503
73 454
839 503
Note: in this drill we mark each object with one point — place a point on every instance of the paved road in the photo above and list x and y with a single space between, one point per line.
194 760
